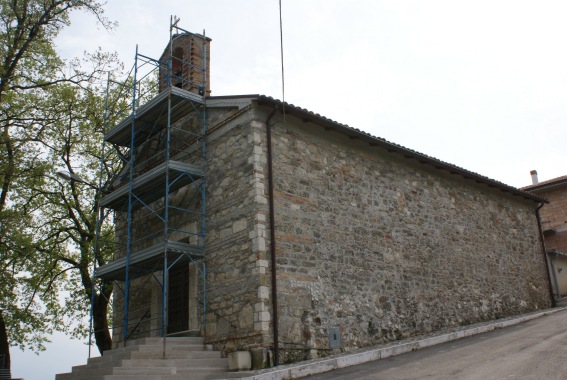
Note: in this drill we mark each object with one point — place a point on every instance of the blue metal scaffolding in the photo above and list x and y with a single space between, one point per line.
159 198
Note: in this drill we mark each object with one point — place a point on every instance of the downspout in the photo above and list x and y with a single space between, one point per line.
272 238
544 251
554 272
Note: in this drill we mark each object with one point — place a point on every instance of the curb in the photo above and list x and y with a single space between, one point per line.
317 366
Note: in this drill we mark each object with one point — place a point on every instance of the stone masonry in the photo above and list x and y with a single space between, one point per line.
238 274
384 248
370 246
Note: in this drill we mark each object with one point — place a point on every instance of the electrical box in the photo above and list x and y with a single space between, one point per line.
334 337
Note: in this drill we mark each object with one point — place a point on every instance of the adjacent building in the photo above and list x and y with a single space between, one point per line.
554 225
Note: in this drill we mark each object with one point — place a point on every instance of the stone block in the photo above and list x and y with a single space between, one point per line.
263 292
259 358
264 316
222 327
239 225
239 361
261 326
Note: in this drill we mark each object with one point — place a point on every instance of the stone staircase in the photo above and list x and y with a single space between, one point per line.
142 359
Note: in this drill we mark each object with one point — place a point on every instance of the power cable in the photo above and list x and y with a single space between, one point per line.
282 61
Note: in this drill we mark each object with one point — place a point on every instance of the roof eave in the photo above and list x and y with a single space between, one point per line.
353 133
544 186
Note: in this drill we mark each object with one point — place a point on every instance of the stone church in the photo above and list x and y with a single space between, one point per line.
321 237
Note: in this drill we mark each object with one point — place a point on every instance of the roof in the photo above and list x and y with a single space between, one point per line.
546 184
354 133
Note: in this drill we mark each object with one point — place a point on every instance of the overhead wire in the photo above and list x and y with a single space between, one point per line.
282 62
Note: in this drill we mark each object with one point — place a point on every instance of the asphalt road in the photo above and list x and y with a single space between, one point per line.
536 349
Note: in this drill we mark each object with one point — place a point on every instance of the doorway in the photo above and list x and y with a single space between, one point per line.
182 301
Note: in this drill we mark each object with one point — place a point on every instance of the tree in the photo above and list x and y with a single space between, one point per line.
69 210
28 29
4 348
46 228
55 248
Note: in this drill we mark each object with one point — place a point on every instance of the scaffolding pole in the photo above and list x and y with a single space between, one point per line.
158 164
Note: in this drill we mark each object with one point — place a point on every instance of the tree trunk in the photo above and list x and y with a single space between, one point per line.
4 351
100 324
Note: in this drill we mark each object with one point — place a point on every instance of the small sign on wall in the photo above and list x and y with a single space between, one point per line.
334 337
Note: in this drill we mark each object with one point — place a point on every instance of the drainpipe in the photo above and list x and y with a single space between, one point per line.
544 251
273 238
554 272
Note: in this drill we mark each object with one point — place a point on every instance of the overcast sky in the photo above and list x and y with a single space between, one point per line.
479 84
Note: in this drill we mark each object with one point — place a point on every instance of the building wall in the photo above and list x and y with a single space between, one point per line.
558 267
554 223
368 243
554 217
190 54
237 268
383 248
237 286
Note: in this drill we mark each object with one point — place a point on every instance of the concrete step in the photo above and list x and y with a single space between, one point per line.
179 363
117 357
159 348
152 352
186 358
64 376
90 371
157 344
134 377
145 371
195 375
168 341
156 348
206 371
78 376
229 375
175 355
130 371
137 377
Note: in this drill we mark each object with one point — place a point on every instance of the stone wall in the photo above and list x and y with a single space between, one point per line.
371 246
383 248
237 288
237 274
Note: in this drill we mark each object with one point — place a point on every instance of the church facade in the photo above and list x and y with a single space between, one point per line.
322 238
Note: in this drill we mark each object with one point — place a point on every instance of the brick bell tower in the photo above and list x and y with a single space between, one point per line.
190 63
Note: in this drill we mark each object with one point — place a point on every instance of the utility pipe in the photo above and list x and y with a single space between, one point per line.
273 238
554 272
544 251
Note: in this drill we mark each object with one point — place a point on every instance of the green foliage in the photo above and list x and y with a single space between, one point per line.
28 28
52 117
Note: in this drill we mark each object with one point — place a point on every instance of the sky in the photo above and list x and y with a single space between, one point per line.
479 84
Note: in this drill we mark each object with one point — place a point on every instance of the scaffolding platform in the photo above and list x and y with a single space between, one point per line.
152 117
151 185
150 260
161 144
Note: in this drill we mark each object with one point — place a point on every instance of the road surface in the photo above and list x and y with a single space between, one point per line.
536 349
